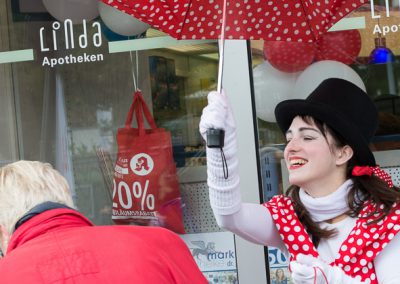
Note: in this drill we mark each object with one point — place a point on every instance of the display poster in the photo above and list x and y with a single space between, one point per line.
278 267
215 255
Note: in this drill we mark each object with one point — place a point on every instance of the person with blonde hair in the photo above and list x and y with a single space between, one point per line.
46 240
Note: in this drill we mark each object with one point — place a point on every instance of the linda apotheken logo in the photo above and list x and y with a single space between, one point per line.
142 164
64 37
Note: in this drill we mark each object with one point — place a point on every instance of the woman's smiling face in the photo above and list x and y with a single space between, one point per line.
312 158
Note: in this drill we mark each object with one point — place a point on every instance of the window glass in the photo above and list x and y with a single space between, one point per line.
67 88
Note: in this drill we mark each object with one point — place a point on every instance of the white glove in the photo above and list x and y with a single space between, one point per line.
310 270
224 192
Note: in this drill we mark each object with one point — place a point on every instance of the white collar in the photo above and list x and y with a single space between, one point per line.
327 207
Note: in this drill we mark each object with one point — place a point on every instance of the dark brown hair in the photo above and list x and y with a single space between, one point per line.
364 188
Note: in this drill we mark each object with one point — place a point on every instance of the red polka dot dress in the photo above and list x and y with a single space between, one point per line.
356 253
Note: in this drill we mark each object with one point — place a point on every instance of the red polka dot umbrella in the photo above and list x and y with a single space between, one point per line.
286 20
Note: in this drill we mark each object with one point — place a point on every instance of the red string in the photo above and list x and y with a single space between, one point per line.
362 171
323 274
315 274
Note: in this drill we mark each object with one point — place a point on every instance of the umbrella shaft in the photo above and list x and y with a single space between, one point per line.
221 48
220 64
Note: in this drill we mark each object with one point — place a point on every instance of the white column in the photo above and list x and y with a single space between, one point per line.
236 82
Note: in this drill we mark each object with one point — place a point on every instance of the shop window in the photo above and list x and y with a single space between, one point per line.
70 101
66 89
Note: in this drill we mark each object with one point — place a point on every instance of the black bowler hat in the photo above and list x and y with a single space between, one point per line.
344 107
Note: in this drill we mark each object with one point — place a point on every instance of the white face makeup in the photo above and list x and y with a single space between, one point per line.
311 163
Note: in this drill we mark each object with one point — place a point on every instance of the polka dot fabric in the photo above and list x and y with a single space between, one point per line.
365 242
382 175
291 230
301 20
369 171
357 252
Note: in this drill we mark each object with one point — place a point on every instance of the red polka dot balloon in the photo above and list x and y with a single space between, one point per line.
288 56
342 46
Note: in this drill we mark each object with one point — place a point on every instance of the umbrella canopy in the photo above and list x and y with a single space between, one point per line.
275 20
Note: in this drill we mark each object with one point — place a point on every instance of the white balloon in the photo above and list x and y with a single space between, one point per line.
76 10
120 22
271 86
317 72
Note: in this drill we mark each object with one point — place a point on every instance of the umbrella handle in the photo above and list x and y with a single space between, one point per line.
215 139
221 48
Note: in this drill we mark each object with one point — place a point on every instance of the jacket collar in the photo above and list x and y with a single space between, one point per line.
38 209
48 221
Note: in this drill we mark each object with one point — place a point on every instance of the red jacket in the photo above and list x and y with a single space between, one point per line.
62 246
